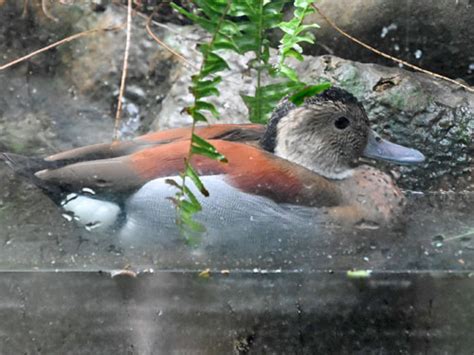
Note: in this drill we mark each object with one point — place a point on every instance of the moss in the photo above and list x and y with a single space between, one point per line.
349 78
407 97
17 147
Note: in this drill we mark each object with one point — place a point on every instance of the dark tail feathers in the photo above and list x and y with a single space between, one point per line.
26 167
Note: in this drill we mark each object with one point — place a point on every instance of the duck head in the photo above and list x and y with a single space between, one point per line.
328 134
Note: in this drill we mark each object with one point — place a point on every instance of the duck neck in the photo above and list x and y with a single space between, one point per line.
329 168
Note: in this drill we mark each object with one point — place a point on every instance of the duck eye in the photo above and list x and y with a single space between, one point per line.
341 122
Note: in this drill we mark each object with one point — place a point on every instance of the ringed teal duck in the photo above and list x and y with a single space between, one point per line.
306 156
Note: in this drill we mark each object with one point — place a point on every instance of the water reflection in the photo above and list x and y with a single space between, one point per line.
287 312
436 234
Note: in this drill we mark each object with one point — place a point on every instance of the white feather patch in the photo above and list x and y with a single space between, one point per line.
91 212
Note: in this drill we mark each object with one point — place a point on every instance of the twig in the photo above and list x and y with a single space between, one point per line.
124 71
414 67
161 43
459 236
25 9
156 23
46 11
58 43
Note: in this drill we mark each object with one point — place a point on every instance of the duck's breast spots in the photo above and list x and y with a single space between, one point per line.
375 195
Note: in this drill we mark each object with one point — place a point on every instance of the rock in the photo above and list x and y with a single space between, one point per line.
70 93
229 103
429 34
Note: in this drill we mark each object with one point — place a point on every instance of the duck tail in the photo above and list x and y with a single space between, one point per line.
22 165
26 167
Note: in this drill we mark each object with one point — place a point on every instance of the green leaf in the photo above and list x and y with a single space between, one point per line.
190 195
201 142
173 183
190 207
289 27
294 54
193 175
204 88
212 64
207 83
290 73
303 3
208 153
195 226
298 98
202 147
201 21
225 43
207 106
197 116
266 98
303 28
228 28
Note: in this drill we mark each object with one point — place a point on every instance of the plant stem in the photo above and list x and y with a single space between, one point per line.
190 154
258 98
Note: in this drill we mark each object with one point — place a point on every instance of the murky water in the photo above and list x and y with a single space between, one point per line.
437 234
288 312
371 290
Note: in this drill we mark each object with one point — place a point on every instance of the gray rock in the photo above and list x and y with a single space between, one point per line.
229 103
434 34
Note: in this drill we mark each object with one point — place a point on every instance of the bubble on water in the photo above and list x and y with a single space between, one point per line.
418 53
367 225
437 241
387 29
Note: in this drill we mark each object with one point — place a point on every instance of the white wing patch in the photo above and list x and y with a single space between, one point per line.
91 212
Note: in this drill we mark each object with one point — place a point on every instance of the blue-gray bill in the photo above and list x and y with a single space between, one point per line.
379 148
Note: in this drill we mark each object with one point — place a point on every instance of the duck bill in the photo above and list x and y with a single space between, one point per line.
379 148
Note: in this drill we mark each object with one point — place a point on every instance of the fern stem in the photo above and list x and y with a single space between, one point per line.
259 63
190 154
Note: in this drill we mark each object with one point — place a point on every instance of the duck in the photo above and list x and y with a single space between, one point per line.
308 158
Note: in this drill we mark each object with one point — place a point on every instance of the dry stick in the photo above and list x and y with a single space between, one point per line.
46 11
58 43
124 71
414 67
25 8
161 43
146 17
151 21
